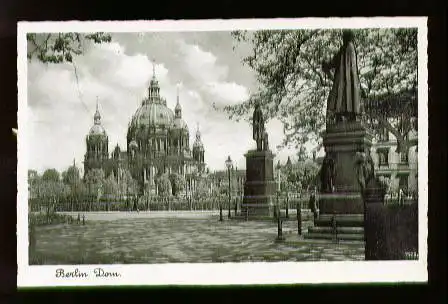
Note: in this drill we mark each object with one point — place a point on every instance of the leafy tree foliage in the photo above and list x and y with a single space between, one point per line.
71 175
51 175
177 183
300 175
111 188
294 87
61 47
95 181
128 185
49 188
163 185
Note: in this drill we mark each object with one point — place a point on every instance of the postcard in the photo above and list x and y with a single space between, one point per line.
222 152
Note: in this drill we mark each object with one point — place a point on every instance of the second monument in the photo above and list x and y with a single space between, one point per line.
259 187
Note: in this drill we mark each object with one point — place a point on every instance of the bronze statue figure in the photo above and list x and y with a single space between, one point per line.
265 142
344 100
365 170
327 174
258 126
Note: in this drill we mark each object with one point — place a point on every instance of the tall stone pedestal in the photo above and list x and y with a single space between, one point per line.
259 187
342 142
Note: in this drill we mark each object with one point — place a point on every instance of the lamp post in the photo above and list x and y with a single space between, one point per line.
280 236
278 187
229 165
220 210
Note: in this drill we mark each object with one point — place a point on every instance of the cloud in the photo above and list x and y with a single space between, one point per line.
61 103
201 65
227 92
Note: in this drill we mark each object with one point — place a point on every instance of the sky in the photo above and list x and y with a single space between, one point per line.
202 64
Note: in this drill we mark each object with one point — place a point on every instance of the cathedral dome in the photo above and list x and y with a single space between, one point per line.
153 114
97 128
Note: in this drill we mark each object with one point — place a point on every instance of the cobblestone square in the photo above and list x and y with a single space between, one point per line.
146 238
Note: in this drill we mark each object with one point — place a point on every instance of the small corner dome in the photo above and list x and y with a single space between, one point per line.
97 130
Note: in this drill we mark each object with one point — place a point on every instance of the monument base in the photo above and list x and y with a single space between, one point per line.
342 142
259 187
341 203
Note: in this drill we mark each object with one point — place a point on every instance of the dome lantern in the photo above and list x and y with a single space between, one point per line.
97 116
178 108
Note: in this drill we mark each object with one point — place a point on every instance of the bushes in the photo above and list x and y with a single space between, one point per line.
391 231
40 219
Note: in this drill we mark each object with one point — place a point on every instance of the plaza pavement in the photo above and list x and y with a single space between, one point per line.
171 237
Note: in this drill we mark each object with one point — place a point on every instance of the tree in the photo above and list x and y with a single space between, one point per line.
61 47
128 185
51 175
33 183
201 190
301 175
111 189
163 185
72 178
52 192
71 175
95 181
177 183
294 88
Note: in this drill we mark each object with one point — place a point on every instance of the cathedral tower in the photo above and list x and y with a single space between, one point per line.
97 145
198 151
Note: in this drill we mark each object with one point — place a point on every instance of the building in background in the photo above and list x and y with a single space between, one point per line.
158 142
400 170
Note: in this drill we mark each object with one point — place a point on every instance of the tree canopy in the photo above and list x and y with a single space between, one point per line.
111 186
177 183
61 47
294 88
95 180
163 185
51 175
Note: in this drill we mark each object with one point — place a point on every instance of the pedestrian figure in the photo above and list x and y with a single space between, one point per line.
136 204
78 220
299 219
313 206
83 219
401 197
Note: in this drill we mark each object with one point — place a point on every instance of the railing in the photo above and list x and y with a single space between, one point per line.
168 203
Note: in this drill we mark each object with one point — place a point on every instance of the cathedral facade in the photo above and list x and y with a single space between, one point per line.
157 142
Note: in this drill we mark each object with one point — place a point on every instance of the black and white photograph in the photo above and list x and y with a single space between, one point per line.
262 151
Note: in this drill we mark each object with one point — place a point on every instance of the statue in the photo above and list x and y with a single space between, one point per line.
265 142
365 170
344 100
258 126
327 174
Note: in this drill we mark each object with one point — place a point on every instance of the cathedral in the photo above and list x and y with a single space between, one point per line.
158 142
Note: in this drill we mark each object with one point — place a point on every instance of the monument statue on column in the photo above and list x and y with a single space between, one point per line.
327 174
259 187
345 136
344 100
258 126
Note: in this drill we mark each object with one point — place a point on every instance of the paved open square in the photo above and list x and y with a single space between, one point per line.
176 237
